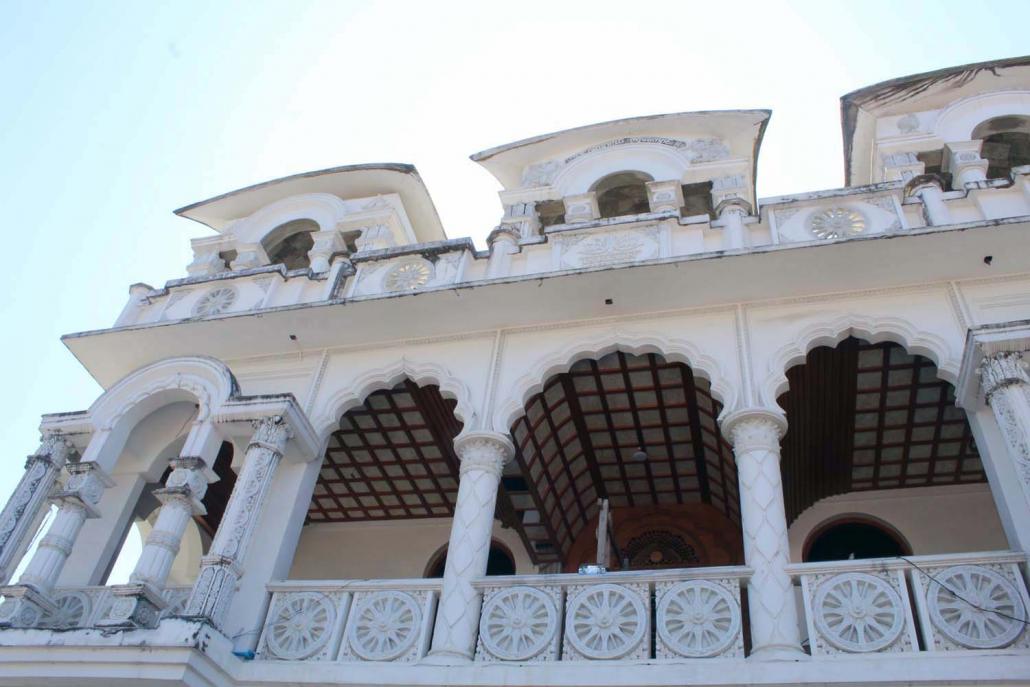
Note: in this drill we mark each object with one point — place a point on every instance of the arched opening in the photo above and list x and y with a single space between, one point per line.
289 243
854 537
199 532
622 193
500 561
640 432
873 428
1006 144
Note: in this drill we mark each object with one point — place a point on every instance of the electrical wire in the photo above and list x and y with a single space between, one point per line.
959 596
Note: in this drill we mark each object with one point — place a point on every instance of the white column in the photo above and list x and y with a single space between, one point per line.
1006 386
731 218
928 190
483 455
27 505
326 244
503 242
139 603
755 435
27 601
221 569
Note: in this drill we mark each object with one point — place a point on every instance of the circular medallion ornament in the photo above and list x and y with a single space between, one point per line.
72 608
408 276
605 621
990 613
836 223
215 302
300 625
518 623
857 612
385 626
698 618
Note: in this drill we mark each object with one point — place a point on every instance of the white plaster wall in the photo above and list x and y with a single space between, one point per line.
386 549
934 520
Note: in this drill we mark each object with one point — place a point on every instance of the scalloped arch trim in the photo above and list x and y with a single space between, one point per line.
874 330
547 366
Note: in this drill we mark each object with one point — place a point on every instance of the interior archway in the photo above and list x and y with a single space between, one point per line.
854 537
288 244
638 431
500 561
866 417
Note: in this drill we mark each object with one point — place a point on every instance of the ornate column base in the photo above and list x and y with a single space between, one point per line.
213 591
136 605
778 653
24 606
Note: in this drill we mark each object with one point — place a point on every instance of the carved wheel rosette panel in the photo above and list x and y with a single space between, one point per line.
697 619
73 610
857 612
299 625
215 302
408 276
607 621
975 607
836 223
384 626
518 624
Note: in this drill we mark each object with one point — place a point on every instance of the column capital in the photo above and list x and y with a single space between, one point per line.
186 482
85 486
750 428
1001 370
53 448
487 451
271 432
733 206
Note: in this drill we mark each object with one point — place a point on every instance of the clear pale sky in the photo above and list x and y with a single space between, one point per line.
113 114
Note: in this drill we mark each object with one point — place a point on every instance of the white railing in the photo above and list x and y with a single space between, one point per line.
695 613
349 620
85 606
962 602
690 613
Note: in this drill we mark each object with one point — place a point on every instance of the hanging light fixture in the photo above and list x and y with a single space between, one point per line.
639 456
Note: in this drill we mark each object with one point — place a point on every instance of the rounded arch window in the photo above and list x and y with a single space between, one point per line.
622 193
499 561
289 244
854 537
1006 144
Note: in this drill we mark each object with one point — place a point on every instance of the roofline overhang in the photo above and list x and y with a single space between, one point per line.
904 87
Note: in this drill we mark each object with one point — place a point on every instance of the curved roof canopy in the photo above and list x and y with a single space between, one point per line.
742 130
860 109
351 181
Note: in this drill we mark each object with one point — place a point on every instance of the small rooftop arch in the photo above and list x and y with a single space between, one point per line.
622 193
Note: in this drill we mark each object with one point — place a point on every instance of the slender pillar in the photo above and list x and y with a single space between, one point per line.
731 216
504 243
139 603
27 601
1006 386
221 569
929 189
483 455
755 435
27 504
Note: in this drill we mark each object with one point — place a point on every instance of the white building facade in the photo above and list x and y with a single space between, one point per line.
661 432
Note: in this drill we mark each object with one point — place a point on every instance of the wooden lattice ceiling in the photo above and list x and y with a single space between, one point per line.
576 443
865 416
392 458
